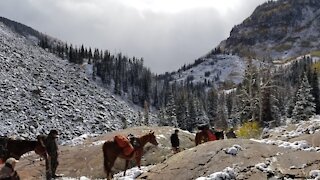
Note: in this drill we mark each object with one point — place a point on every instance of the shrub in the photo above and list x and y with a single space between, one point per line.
250 129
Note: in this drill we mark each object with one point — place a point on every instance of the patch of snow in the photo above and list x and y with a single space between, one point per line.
297 145
132 173
220 68
161 136
227 174
314 174
98 143
233 150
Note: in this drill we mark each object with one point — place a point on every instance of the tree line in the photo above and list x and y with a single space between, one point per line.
268 94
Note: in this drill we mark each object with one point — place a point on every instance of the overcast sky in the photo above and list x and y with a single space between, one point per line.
166 33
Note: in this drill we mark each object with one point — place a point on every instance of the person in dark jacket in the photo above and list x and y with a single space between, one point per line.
52 151
7 172
175 143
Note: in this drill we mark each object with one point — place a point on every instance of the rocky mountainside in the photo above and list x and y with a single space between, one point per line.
40 91
215 70
277 30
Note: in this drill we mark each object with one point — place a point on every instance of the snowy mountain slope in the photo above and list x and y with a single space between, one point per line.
215 69
277 30
40 91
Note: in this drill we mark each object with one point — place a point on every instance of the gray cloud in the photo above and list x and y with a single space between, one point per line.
166 41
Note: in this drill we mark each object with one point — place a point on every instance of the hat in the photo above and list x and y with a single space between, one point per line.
54 133
176 130
12 161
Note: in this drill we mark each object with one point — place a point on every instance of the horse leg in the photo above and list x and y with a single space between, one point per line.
107 167
138 159
126 167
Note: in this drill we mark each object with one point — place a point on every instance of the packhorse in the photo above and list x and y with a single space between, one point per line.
205 135
111 151
16 148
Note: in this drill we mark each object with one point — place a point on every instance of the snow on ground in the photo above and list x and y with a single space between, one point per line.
131 174
233 150
41 92
303 127
315 174
78 140
219 68
227 174
297 145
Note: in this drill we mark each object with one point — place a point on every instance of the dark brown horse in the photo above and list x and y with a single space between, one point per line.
202 136
16 148
111 151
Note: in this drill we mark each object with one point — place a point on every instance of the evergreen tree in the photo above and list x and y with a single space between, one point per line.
314 82
249 94
192 118
171 112
221 122
146 113
304 107
212 106
182 110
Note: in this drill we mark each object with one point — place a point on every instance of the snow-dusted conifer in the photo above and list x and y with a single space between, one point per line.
304 107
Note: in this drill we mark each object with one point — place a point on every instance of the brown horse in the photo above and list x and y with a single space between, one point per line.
111 151
202 136
16 148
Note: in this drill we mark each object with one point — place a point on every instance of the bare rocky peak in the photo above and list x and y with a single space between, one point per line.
278 30
40 91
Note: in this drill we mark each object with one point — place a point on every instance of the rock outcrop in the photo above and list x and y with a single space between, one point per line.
277 30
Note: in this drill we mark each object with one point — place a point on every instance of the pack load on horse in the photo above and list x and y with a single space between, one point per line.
204 135
117 148
16 148
124 143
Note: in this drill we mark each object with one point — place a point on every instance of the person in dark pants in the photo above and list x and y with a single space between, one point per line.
52 150
175 143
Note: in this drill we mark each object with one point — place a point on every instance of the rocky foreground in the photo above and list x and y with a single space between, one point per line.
288 152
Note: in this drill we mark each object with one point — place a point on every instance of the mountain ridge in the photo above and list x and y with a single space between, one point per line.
277 30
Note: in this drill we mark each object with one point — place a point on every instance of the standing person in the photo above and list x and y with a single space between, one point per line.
175 143
7 172
52 150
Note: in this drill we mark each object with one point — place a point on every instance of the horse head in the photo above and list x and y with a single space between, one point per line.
152 138
40 147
